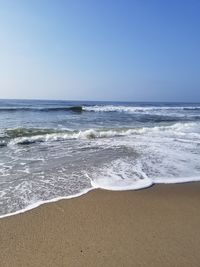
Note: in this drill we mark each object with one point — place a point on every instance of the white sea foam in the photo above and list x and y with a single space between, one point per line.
167 154
191 129
114 184
149 148
119 176
39 203
139 109
176 180
161 154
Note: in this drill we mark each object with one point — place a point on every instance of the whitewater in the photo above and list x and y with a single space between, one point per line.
51 150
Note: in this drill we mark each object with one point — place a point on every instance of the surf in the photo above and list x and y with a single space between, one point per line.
20 136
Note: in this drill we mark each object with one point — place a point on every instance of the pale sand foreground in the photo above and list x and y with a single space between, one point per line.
159 226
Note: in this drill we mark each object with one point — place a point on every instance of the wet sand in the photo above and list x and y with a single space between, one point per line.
158 226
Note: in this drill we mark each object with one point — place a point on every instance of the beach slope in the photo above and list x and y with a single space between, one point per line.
158 226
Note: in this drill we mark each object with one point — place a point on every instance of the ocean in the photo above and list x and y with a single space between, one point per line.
51 150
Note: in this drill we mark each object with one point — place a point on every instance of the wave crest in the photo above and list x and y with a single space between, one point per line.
22 136
139 109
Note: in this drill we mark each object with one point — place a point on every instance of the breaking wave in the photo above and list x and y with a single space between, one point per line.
61 149
103 108
130 109
24 136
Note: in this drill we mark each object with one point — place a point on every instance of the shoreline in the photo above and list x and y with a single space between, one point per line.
156 226
85 191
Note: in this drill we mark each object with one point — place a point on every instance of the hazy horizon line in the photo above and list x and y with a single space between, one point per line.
119 101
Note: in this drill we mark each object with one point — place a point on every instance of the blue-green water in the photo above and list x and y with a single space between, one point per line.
56 149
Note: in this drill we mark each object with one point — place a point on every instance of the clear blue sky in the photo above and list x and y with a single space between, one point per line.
139 50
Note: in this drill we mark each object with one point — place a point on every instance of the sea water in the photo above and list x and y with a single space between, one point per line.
61 149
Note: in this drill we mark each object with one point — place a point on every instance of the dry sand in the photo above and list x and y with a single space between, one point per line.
158 226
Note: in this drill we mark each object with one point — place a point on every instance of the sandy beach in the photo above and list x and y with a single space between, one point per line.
158 226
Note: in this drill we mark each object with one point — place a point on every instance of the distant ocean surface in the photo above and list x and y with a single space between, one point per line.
58 149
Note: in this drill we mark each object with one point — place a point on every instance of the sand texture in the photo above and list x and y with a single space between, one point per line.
158 226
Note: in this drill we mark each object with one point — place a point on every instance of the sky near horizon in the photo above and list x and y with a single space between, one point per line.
139 50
